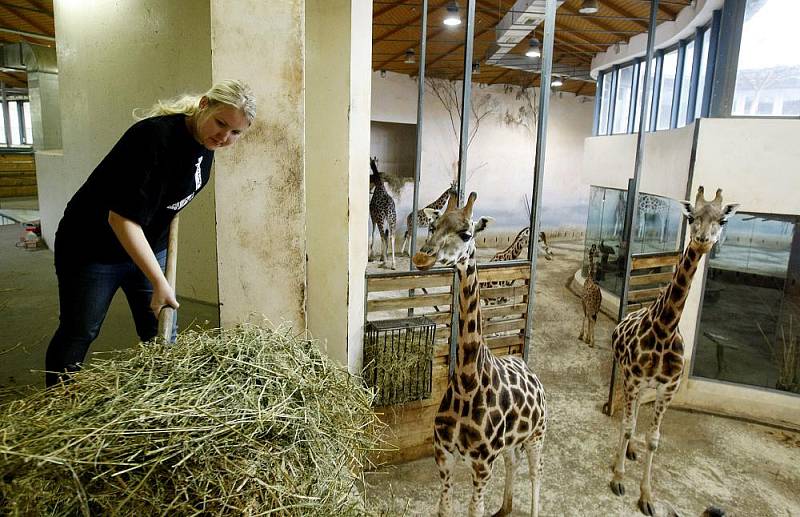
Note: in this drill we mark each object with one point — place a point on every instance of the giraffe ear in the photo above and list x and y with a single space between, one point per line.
728 210
431 214
687 209
482 223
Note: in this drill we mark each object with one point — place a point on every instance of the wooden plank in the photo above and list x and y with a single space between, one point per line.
643 294
505 273
504 326
443 279
506 292
17 167
17 181
503 310
405 302
25 191
658 261
654 278
503 341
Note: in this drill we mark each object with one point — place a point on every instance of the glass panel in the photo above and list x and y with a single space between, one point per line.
622 103
769 64
701 84
639 94
749 330
26 113
605 99
658 223
667 89
686 83
604 229
13 116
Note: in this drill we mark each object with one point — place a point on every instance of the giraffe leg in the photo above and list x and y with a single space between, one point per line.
631 452
371 242
405 241
583 325
391 238
445 460
509 457
663 398
626 432
592 321
534 452
481 473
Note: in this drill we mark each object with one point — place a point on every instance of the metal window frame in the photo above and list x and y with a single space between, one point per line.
711 64
676 89
612 101
597 101
634 96
653 122
691 101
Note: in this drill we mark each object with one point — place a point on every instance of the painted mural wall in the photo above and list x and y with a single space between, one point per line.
501 154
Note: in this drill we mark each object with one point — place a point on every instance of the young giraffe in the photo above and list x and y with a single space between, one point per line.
493 405
514 250
591 298
382 213
422 219
648 345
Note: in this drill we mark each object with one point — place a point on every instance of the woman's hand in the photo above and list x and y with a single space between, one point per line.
163 296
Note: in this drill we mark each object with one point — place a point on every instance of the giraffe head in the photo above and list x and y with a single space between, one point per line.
706 218
451 234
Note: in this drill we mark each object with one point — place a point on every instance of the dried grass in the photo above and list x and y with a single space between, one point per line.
243 421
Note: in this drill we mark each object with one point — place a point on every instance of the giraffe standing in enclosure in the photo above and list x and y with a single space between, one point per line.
382 213
591 298
512 252
493 405
422 220
648 345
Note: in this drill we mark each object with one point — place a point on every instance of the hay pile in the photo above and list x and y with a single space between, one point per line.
239 421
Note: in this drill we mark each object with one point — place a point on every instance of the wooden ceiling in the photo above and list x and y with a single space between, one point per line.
25 20
578 37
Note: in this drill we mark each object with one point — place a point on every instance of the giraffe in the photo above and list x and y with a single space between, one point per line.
655 207
382 213
422 220
591 298
512 252
648 345
493 406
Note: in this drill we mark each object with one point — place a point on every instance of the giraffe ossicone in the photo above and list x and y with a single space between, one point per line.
648 346
493 406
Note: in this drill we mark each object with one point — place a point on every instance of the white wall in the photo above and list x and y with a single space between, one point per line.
260 206
101 80
609 161
500 160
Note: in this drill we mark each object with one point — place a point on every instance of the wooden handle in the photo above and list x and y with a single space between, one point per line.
167 314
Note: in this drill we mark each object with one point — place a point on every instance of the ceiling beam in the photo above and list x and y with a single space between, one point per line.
25 8
594 23
21 16
40 5
12 80
384 10
625 13
502 74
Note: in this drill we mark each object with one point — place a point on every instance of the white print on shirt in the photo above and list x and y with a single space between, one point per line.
198 182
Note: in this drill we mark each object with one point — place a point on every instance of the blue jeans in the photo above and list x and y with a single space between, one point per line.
85 292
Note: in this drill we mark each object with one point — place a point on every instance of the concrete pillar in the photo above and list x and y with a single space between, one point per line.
260 208
338 69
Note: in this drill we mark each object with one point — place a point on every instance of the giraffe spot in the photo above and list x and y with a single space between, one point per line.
495 379
535 415
444 405
491 399
468 436
648 342
477 413
485 380
444 420
530 399
472 306
465 409
692 254
519 397
495 416
468 381
681 280
662 379
483 451
636 370
457 405
470 269
687 263
488 429
512 377
497 442
505 399
540 398
444 434
511 420
470 352
661 332
677 346
471 326
526 411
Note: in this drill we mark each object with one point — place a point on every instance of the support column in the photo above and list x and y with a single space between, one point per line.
260 205
338 88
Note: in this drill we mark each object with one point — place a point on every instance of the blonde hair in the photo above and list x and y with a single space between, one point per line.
230 91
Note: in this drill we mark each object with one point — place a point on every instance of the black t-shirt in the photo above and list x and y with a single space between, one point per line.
152 172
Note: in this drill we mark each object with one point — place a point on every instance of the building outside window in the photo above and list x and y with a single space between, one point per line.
768 76
605 101
686 84
701 84
622 102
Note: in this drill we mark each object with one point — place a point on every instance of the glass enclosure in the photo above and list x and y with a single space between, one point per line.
657 230
749 329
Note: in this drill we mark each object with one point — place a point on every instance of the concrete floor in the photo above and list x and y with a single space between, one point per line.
29 313
744 468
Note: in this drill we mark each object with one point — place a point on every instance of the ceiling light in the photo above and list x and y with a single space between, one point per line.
556 82
533 49
588 7
476 68
452 18
410 57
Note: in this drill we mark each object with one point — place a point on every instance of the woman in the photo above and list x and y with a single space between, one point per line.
115 228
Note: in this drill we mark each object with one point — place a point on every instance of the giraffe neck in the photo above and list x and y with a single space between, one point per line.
668 307
471 352
519 244
440 201
591 268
